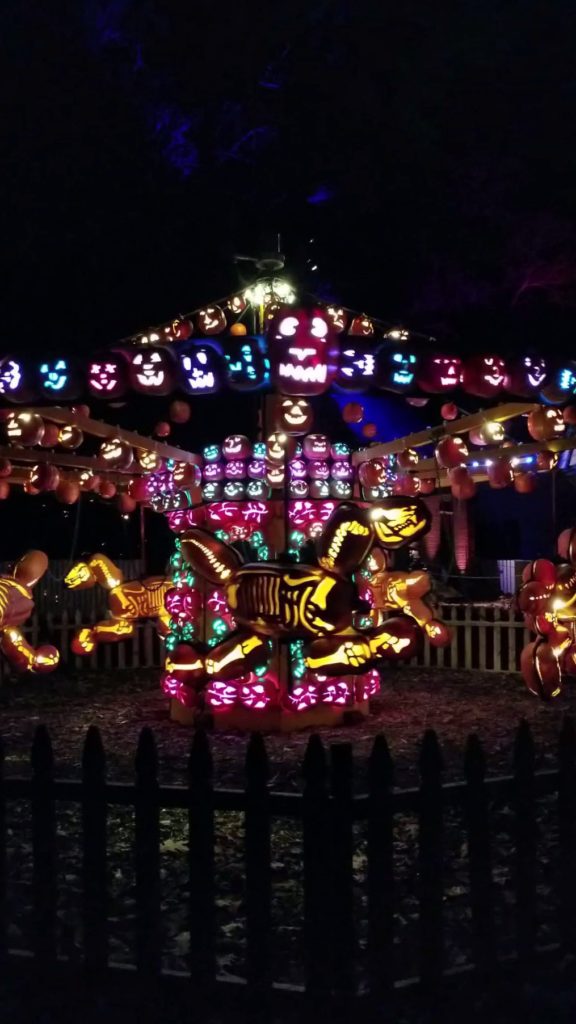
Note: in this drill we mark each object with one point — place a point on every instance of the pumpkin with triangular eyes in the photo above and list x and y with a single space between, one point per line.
303 352
151 371
438 372
294 415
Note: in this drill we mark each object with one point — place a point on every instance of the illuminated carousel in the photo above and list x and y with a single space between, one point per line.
285 598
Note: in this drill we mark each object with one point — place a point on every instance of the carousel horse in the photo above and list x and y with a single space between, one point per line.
16 606
128 601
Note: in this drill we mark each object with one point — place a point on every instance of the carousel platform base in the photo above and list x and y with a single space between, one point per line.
272 720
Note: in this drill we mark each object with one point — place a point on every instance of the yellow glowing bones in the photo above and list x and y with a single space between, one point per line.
128 601
16 605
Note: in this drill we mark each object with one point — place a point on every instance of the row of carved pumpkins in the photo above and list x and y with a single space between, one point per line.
298 364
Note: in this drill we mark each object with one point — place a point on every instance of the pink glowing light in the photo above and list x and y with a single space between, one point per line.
304 696
303 513
222 694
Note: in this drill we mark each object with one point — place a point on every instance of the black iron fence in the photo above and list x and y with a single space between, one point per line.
350 949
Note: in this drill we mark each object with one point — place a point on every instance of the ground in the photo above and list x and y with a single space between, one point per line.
455 704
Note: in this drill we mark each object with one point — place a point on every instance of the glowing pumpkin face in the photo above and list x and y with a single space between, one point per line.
439 373
233 490
340 489
235 469
399 521
484 376
151 371
107 376
298 489
211 491
357 369
212 320
303 353
236 446
213 471
201 369
211 453
256 469
295 415
336 317
11 376
561 383
342 470
298 469
396 369
275 474
257 489
316 446
361 326
318 469
55 377
247 365
527 375
279 446
319 489
117 453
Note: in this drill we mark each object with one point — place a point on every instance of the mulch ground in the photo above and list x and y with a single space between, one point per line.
455 704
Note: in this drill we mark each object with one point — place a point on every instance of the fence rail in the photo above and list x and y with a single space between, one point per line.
488 638
336 963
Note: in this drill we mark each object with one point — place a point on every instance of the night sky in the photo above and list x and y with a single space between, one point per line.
420 156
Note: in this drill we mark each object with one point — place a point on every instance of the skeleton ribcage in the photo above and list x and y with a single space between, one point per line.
267 597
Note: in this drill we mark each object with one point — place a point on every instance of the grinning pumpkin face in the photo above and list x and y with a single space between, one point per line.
438 373
256 469
295 415
236 446
213 471
357 369
316 446
201 369
151 371
107 376
257 489
303 353
275 474
484 376
298 489
361 326
235 469
396 369
234 490
527 375
342 470
117 453
211 491
56 377
340 489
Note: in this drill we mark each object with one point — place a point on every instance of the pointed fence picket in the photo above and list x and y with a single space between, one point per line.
337 970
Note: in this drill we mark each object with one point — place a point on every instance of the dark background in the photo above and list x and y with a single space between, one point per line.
420 156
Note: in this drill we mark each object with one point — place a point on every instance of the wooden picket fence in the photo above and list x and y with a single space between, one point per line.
486 637
337 968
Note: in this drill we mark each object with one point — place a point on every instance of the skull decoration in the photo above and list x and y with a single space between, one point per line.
484 376
57 378
294 415
303 353
107 376
357 369
236 446
201 369
247 365
396 369
438 373
211 320
151 371
340 489
527 375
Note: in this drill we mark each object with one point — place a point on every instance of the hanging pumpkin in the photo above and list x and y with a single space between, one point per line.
438 373
545 424
24 428
369 430
546 461
211 320
238 330
138 488
484 376
45 477
353 412
126 504
450 452
68 492
500 474
117 453
449 411
70 436
162 429
107 489
361 326
569 415
427 485
525 483
179 412
181 329
407 459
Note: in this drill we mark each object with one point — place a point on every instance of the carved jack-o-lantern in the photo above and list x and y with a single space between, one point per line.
438 373
527 375
318 469
316 446
561 382
117 453
257 490
107 376
201 369
298 469
234 490
303 353
25 428
213 471
342 470
484 376
211 320
235 469
151 371
58 378
256 469
357 370
545 424
294 415
298 489
236 446
280 446
396 369
275 474
11 377
247 365
361 326
336 318
148 460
